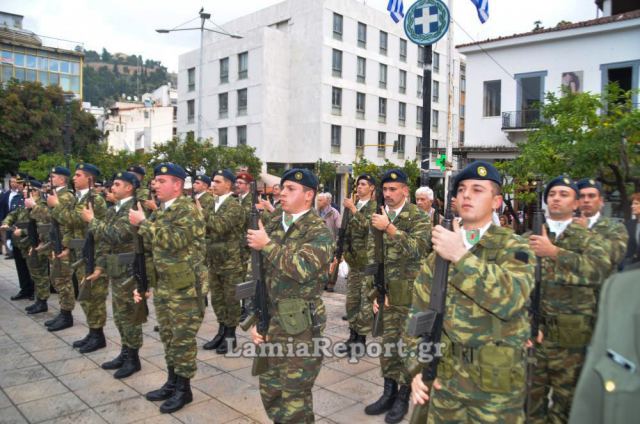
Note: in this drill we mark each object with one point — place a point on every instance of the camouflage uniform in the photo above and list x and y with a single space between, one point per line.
294 264
615 236
176 237
39 262
486 318
245 251
19 218
358 304
568 308
61 272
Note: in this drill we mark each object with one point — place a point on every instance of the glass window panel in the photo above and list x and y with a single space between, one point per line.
43 63
75 68
43 77
30 75
65 82
75 84
18 59
64 66
7 72
20 74
6 56
53 65
54 79
32 61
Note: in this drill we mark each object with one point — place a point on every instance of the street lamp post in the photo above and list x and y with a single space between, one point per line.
203 18
68 100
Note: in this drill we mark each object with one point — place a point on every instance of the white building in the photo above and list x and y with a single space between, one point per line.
314 79
98 113
507 76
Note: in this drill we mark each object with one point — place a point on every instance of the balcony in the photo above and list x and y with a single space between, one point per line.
521 120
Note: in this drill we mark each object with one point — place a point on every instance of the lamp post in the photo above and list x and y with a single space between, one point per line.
203 18
68 100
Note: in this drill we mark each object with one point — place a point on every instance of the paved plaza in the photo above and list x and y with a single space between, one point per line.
43 379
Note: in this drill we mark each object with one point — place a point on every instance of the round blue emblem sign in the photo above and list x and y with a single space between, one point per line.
426 21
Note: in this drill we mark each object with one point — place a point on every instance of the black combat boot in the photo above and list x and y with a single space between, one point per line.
65 320
118 361
39 306
229 342
167 389
79 343
180 398
358 346
50 322
131 364
387 399
347 343
215 342
96 341
400 406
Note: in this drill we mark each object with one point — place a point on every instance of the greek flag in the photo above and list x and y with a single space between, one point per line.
483 9
395 10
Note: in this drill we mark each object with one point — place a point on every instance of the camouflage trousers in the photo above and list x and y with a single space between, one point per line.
285 388
222 288
39 269
123 312
179 316
558 369
462 401
358 305
60 276
393 327
95 307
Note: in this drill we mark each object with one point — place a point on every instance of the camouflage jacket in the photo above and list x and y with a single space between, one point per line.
615 236
42 215
207 202
403 253
295 265
488 291
19 217
225 234
568 282
66 203
114 234
247 204
355 250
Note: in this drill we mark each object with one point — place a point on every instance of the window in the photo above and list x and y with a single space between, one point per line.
384 38
434 119
223 105
461 139
360 105
241 134
418 147
419 86
362 35
336 136
383 76
435 91
399 145
491 98
359 139
382 109
461 111
402 81
362 69
336 99
402 113
436 62
191 77
337 26
419 116
243 65
463 78
224 70
222 137
336 63
403 50
625 74
529 97
382 142
191 111
242 101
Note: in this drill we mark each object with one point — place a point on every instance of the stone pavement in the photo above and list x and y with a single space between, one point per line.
43 379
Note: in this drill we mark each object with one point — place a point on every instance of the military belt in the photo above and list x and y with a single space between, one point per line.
463 353
552 321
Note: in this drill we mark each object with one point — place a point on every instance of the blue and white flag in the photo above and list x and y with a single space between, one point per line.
395 10
483 9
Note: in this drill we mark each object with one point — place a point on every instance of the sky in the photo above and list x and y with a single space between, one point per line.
128 26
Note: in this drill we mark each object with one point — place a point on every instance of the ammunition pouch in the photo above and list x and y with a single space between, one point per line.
400 292
76 244
119 264
494 368
181 276
294 315
569 331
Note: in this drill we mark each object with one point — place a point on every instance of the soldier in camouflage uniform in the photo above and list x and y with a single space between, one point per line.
574 264
59 200
358 304
407 239
297 248
16 222
142 192
175 232
74 228
243 185
201 193
225 224
116 239
38 260
481 377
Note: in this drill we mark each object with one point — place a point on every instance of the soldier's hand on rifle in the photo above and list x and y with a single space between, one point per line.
333 265
52 199
136 216
256 337
348 203
137 298
95 274
380 221
257 239
17 232
449 244
64 254
29 203
542 246
4 227
87 213
375 304
420 391
150 204
528 344
582 220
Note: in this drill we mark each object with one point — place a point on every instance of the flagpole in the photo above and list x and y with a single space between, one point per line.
451 103
425 164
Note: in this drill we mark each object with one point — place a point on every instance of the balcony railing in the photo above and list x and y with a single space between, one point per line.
521 119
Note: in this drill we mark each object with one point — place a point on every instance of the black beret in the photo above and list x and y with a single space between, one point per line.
87 167
204 179
301 176
226 173
35 183
478 170
394 176
590 183
128 177
169 168
560 181
61 170
366 177
136 169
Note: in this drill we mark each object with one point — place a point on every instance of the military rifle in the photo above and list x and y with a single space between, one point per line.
377 270
342 235
257 288
55 235
139 274
88 253
430 323
32 227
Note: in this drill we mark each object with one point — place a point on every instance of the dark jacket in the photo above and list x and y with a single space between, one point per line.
5 207
633 247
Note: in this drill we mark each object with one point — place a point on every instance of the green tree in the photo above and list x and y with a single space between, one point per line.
410 168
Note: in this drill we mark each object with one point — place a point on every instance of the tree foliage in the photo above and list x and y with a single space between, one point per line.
410 168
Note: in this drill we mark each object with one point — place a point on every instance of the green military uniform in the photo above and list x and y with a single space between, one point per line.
485 322
609 386
61 268
567 309
19 219
295 262
39 261
247 203
615 236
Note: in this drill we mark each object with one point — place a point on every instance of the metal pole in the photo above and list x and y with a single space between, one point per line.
203 18
450 92
425 163
67 130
